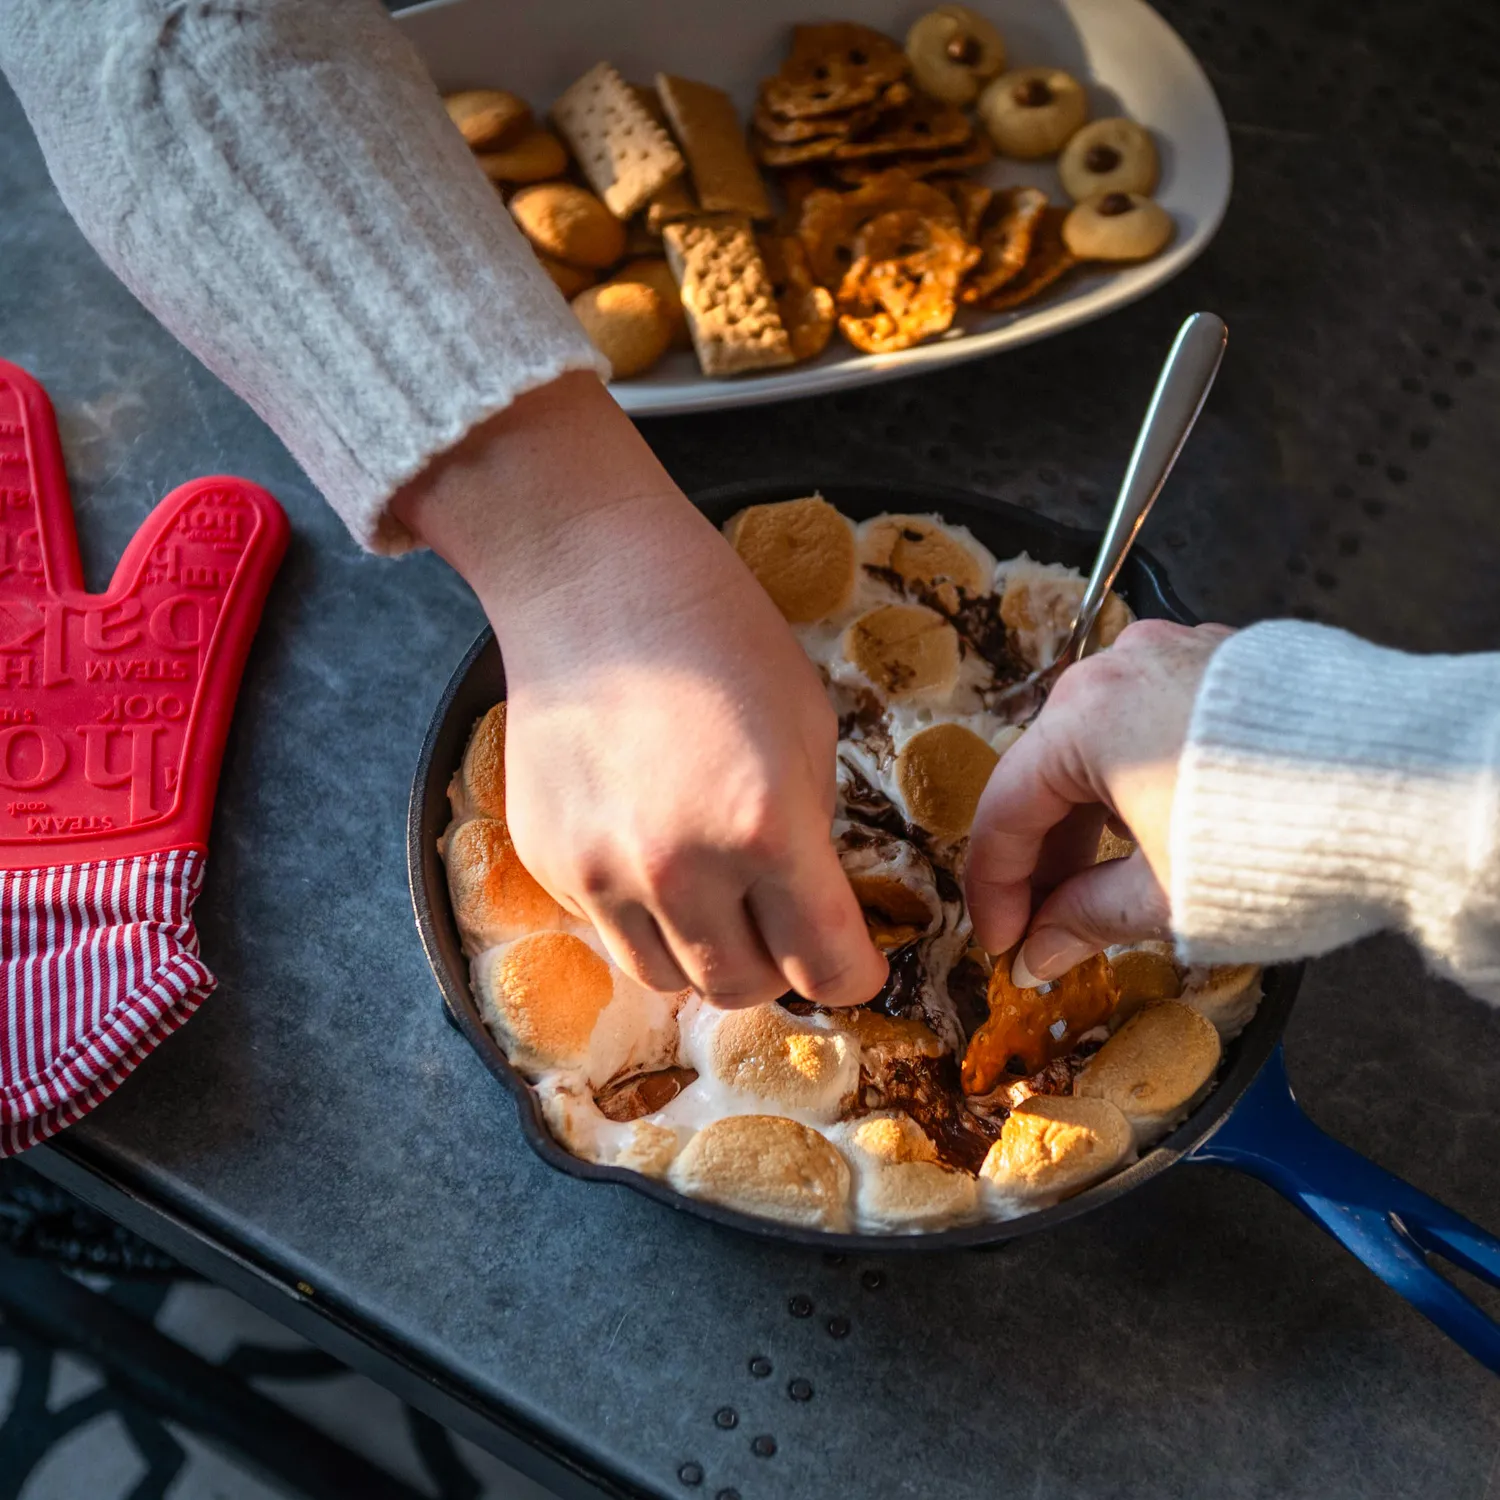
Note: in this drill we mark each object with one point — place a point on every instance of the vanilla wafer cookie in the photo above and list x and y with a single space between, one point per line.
623 152
727 295
707 127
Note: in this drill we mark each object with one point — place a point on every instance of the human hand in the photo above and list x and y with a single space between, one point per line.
669 747
1111 735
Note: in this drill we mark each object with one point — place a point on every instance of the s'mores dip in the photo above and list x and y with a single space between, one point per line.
955 1096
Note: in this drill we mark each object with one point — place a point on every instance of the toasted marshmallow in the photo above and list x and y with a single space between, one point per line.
801 553
575 1120
798 1064
648 1148
478 790
1144 972
940 773
1158 1065
926 556
885 1039
542 996
1040 603
766 1165
1226 994
1052 1146
892 882
495 897
904 650
899 1182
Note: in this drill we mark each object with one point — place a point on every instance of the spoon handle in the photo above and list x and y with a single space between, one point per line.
1181 390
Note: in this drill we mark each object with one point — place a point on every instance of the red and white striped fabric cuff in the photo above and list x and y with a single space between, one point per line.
100 963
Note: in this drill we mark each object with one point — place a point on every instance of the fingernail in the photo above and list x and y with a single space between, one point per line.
1048 953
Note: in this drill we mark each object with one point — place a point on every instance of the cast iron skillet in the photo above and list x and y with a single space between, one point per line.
1250 1120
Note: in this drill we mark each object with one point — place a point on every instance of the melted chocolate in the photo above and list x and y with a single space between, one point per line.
948 888
976 619
644 1094
928 1089
968 989
877 810
901 994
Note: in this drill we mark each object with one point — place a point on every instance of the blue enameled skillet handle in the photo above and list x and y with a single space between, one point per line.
1386 1222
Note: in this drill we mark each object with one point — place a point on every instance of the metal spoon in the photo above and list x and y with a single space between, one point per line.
1181 390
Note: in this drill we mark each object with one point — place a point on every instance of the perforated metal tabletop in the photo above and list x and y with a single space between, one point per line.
320 1138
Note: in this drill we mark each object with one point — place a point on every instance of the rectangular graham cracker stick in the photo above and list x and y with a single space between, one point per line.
624 153
676 200
708 129
670 205
727 295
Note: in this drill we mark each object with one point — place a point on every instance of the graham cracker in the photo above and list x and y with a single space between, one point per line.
623 152
708 129
727 295
675 201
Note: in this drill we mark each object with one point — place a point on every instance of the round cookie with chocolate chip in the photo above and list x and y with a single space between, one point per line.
953 52
1032 112
1109 156
1117 226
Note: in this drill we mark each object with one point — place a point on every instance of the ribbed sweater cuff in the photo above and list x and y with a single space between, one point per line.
279 183
1331 788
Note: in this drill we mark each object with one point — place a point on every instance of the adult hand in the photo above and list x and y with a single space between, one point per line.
669 747
1111 735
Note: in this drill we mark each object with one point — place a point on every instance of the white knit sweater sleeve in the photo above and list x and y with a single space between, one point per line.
1331 788
278 182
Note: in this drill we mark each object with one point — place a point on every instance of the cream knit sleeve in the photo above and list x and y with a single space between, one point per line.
1331 788
278 182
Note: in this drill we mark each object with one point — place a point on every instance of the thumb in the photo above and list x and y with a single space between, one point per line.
1116 902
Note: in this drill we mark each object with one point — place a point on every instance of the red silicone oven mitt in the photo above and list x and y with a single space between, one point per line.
113 712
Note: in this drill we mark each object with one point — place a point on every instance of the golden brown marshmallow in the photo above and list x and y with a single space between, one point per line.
766 1165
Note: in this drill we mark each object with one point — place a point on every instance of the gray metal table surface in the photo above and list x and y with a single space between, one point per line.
320 1137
